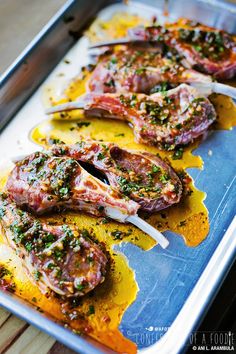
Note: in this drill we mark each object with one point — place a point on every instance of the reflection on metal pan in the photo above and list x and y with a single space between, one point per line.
183 280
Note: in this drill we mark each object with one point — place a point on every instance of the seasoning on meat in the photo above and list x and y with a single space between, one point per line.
164 119
140 70
58 258
141 176
43 182
207 49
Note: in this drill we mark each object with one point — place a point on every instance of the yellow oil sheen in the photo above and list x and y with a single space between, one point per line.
189 218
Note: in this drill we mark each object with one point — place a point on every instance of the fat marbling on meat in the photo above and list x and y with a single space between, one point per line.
164 119
59 258
43 182
141 70
142 176
207 49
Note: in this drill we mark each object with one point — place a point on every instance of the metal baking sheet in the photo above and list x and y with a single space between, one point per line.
177 284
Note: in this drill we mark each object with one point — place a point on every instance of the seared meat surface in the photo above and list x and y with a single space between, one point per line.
141 176
207 49
141 71
42 182
166 120
58 258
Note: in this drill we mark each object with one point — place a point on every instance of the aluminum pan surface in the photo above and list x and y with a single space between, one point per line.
165 278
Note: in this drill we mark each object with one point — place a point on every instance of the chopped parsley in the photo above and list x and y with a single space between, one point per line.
164 178
101 156
83 124
155 169
178 154
140 70
37 275
113 60
91 310
119 235
80 287
120 134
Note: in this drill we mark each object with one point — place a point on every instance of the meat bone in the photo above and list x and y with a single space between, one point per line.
122 217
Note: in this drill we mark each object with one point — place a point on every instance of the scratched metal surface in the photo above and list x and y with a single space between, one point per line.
166 278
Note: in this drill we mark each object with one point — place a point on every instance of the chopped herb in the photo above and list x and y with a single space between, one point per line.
168 100
209 44
64 191
119 235
90 67
49 238
178 154
37 275
51 265
140 71
59 273
4 272
168 147
80 287
83 124
100 208
101 156
162 87
120 134
28 246
53 141
85 233
58 254
104 221
127 187
2 212
91 310
178 126
198 48
155 169
164 178
110 83
182 223
189 192
113 60
105 147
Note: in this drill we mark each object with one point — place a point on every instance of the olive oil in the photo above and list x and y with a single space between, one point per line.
99 313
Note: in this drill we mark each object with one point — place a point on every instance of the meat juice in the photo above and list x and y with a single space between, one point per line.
100 313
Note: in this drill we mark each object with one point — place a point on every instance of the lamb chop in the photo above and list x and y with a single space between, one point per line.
60 259
207 49
165 119
42 182
141 71
143 177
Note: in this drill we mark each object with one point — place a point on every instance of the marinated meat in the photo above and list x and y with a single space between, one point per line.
59 258
42 182
207 49
142 176
141 71
165 119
